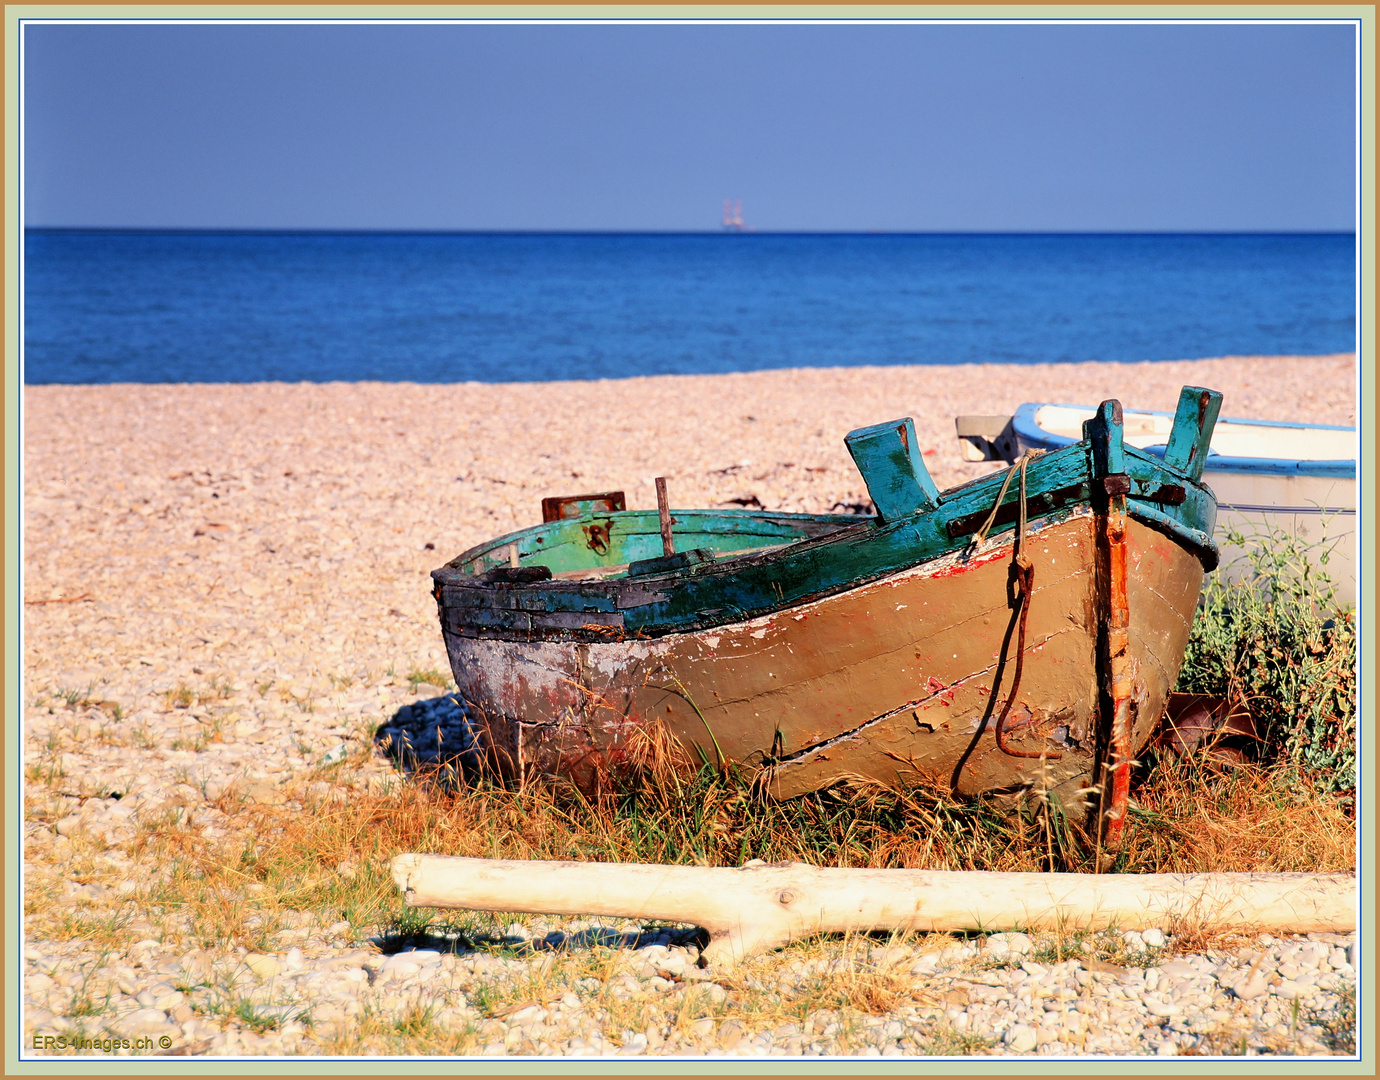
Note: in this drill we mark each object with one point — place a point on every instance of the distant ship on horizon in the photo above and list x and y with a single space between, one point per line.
733 216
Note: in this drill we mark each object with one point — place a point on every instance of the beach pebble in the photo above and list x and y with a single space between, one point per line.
1001 944
1252 987
1021 1038
146 1021
265 967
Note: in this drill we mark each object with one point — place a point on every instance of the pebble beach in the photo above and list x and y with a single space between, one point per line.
226 588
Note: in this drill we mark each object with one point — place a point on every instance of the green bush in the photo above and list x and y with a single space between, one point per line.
1278 641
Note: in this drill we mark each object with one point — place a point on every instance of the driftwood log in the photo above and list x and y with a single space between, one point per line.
758 907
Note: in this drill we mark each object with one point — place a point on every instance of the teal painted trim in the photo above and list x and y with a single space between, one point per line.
1194 520
1194 421
1106 439
1198 539
893 469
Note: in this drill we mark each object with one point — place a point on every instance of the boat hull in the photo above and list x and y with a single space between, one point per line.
1019 630
896 681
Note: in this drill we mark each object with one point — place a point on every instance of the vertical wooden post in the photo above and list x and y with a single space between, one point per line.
1105 435
1119 664
514 560
663 506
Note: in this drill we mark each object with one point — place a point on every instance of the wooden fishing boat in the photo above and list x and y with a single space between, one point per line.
1025 628
1270 478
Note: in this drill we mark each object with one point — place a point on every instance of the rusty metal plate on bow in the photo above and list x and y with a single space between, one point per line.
569 507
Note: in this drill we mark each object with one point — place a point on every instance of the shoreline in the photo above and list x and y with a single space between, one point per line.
1052 365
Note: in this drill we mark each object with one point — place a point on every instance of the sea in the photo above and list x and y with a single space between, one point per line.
178 307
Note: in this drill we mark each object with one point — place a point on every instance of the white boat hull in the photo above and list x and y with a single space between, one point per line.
1319 510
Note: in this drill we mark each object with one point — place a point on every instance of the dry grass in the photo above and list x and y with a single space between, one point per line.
416 1030
317 860
330 854
327 849
1248 818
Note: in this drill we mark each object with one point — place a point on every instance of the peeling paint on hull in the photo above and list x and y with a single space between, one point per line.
895 680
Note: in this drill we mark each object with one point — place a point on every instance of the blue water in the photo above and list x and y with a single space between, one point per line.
105 307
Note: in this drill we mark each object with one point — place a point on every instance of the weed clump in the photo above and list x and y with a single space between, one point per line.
1277 641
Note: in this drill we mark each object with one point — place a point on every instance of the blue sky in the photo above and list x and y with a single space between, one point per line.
897 128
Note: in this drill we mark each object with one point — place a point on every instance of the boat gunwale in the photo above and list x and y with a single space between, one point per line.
607 601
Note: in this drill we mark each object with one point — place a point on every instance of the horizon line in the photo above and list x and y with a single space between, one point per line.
737 233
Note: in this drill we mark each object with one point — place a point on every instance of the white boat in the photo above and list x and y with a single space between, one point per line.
1268 476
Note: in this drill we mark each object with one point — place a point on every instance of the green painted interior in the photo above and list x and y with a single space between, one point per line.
610 540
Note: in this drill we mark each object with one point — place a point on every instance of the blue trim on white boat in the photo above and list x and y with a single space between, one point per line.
1249 508
1031 435
1343 468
